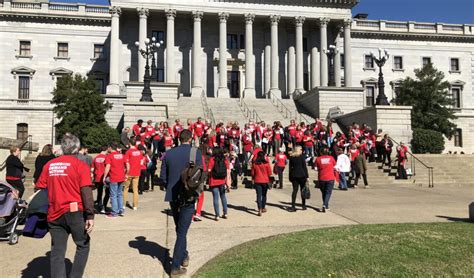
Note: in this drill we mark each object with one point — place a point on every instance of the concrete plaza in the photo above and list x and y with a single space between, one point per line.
139 244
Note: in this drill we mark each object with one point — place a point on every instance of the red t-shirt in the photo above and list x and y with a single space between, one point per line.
247 143
63 177
353 154
117 166
136 129
325 166
261 173
99 167
133 157
308 140
268 134
292 130
177 130
198 129
168 141
213 181
299 136
150 130
280 160
144 162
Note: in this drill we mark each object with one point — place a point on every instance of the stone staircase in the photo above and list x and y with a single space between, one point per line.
227 109
29 162
188 108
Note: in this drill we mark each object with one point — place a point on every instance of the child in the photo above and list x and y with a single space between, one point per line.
236 169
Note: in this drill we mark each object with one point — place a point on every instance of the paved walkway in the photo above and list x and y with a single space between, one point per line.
138 244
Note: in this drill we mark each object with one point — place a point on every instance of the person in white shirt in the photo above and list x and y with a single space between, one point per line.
343 166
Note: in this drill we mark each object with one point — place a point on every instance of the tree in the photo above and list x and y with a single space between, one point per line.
431 101
80 108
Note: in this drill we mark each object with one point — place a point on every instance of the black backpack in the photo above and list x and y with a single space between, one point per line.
193 178
219 171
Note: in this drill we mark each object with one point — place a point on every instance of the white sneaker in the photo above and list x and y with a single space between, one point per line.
135 208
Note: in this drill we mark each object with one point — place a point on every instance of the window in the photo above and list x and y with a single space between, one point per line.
396 90
426 61
454 65
456 97
100 85
397 62
242 41
458 138
305 44
231 41
25 48
158 35
22 132
160 75
369 62
63 50
23 87
369 95
99 51
306 81
343 60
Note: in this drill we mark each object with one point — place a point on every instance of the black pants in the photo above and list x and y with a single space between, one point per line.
18 185
100 190
364 177
69 223
297 182
387 156
233 176
141 181
280 175
402 173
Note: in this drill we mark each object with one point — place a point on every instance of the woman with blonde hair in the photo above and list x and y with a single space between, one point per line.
43 158
15 170
298 172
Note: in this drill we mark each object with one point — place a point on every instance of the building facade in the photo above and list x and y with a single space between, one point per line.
222 49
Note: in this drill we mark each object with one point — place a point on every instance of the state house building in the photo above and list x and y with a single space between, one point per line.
250 50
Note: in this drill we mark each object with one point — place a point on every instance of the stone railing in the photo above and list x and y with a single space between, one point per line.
78 9
413 27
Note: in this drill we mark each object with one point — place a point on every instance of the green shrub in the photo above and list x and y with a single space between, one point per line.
427 141
98 136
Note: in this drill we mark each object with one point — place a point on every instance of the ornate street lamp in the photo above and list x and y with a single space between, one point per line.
380 61
331 53
151 47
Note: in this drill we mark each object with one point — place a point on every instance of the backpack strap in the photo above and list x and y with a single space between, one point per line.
193 155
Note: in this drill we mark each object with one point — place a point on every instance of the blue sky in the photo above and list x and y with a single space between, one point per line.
445 11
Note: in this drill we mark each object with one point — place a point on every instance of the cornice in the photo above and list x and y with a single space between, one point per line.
61 17
367 34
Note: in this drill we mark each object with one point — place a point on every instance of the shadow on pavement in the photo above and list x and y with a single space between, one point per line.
288 205
242 208
455 219
40 267
152 249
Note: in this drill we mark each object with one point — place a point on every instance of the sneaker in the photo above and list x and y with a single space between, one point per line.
197 218
259 213
292 209
102 211
185 262
304 207
135 208
216 218
264 210
367 186
178 272
323 209
224 216
122 214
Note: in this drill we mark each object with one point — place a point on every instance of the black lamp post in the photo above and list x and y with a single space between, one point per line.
331 53
380 61
151 47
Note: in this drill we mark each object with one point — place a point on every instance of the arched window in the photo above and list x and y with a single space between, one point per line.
22 131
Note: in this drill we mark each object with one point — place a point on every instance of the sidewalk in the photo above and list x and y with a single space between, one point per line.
137 244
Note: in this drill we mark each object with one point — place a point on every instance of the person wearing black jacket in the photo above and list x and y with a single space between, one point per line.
15 169
298 172
43 158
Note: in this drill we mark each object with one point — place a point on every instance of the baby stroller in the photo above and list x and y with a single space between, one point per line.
12 212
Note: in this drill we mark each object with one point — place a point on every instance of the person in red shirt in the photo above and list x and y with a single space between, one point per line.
143 171
247 146
133 159
267 141
326 176
261 173
308 144
402 159
71 207
168 140
177 128
98 169
280 164
137 128
353 154
115 170
198 130
218 184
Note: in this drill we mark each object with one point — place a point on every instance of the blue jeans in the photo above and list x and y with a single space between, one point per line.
261 189
342 180
216 192
182 215
116 197
308 151
326 191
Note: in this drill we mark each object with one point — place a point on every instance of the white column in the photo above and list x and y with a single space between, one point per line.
268 65
291 70
315 67
274 19
323 24
170 74
223 91
142 26
114 88
196 89
249 91
299 55
347 53
337 62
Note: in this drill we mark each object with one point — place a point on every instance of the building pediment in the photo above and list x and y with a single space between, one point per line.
60 71
370 80
23 70
458 83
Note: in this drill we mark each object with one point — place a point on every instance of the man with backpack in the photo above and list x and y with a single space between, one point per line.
179 168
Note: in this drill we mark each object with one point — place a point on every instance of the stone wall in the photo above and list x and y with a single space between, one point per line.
394 120
465 122
318 101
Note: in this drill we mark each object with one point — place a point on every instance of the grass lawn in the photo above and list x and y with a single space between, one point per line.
393 250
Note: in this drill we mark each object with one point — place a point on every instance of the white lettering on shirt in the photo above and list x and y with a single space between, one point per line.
58 169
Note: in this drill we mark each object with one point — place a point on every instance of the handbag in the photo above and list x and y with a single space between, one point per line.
305 192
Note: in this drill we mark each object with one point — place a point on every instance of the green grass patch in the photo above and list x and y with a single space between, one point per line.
392 250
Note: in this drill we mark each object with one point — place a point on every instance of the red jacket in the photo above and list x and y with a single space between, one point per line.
212 181
261 173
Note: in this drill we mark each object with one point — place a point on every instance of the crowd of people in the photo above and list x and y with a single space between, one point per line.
231 155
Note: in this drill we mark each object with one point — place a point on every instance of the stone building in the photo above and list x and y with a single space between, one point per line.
244 49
